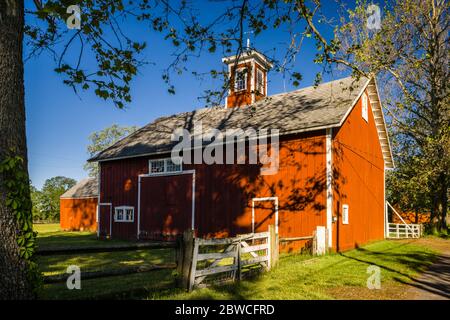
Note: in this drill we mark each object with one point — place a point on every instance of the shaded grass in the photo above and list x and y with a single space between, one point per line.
50 236
298 277
128 286
56 264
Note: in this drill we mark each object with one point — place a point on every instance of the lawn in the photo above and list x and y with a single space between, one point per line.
50 236
334 276
328 277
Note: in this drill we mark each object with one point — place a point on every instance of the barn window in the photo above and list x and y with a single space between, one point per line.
345 214
365 108
164 165
259 81
124 214
157 166
240 80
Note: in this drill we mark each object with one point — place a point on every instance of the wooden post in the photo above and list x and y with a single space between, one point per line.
188 249
193 265
239 260
273 246
179 255
314 243
398 230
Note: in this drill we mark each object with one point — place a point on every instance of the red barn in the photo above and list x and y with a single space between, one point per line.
78 206
332 147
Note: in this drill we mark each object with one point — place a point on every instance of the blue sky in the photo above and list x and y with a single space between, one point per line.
59 122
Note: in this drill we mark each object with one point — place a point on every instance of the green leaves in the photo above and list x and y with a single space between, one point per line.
19 202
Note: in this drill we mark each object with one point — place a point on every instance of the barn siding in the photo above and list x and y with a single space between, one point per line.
358 168
224 192
78 214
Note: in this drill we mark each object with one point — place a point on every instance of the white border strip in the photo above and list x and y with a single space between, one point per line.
329 179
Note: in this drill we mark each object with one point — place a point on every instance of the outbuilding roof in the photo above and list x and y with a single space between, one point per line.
306 109
86 188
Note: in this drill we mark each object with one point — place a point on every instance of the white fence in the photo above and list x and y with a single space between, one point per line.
404 231
220 260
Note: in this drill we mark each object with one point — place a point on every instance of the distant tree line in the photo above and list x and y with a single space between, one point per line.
46 201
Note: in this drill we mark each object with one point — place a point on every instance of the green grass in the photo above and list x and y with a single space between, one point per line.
128 286
56 264
50 236
298 277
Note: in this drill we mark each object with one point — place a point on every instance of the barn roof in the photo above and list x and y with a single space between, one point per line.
86 188
306 109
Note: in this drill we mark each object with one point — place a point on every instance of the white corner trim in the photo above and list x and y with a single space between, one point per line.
329 183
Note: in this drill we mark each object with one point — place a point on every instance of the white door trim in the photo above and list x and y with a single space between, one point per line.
275 199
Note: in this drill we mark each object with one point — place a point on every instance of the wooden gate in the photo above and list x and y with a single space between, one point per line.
215 261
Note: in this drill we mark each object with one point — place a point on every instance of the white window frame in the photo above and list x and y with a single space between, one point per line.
123 208
260 86
345 213
165 169
239 70
365 107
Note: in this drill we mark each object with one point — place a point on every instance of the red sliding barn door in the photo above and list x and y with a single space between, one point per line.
166 206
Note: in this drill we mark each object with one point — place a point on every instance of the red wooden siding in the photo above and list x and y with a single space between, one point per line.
166 206
119 185
358 181
224 193
78 214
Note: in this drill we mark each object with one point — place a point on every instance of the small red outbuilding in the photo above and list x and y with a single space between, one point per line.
78 206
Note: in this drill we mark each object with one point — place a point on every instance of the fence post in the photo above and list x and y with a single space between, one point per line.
273 246
179 253
193 264
239 260
187 251
314 243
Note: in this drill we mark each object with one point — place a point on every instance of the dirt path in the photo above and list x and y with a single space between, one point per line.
433 284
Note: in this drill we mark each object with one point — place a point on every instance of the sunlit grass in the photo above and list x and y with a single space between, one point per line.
298 277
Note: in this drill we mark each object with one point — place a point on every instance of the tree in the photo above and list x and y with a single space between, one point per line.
103 139
51 191
100 34
14 267
409 54
36 196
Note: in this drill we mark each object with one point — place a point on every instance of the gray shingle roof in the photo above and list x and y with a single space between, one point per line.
301 110
86 188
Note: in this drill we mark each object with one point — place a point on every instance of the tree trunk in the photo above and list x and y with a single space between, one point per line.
444 201
14 282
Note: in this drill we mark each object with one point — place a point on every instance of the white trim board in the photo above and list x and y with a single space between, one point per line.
329 184
275 199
